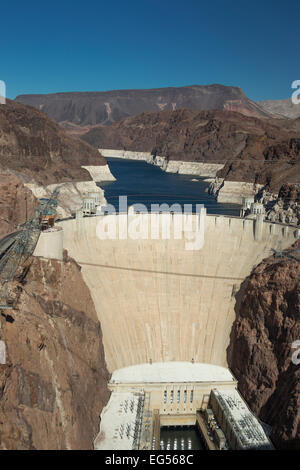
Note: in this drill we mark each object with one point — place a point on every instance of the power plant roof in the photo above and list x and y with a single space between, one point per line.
172 372
245 426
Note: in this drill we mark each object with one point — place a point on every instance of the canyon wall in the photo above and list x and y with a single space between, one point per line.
53 385
36 152
261 346
16 202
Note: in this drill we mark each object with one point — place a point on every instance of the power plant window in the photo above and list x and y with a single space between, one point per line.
192 396
165 396
178 396
184 396
172 396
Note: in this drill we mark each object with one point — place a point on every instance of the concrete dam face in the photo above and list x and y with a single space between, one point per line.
158 301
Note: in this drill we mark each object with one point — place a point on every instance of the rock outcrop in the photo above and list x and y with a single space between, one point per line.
34 149
69 197
54 383
231 191
186 135
283 207
16 202
282 108
261 347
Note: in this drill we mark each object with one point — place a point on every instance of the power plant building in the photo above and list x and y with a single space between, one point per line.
241 428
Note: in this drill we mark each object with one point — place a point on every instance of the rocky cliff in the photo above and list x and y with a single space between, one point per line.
33 147
16 202
35 150
54 383
261 347
282 207
271 159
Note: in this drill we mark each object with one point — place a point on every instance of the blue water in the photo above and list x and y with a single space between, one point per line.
148 184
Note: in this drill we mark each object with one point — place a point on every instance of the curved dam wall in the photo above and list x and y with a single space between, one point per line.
158 301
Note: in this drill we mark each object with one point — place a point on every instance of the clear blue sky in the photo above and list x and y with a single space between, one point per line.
64 45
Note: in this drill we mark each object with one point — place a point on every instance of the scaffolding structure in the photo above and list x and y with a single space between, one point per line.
21 249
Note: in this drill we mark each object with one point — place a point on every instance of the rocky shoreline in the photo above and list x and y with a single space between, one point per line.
232 191
261 347
167 165
71 193
36 155
283 207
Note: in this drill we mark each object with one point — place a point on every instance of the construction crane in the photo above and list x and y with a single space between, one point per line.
22 248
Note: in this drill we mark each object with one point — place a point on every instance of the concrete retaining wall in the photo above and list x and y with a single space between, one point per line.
50 245
100 173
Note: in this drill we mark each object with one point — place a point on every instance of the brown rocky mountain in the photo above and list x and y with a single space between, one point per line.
34 148
254 150
72 109
282 108
15 201
260 351
283 207
267 160
54 383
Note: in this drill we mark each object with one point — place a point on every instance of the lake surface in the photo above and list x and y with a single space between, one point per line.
148 184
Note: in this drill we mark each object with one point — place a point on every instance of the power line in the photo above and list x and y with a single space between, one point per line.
150 271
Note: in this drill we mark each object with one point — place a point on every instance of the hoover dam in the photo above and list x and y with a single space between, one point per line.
158 301
165 288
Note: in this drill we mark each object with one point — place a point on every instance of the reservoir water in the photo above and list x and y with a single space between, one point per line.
148 184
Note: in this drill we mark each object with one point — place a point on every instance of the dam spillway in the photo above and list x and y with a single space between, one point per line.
159 302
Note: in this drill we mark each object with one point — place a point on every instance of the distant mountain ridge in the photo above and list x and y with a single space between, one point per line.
74 109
